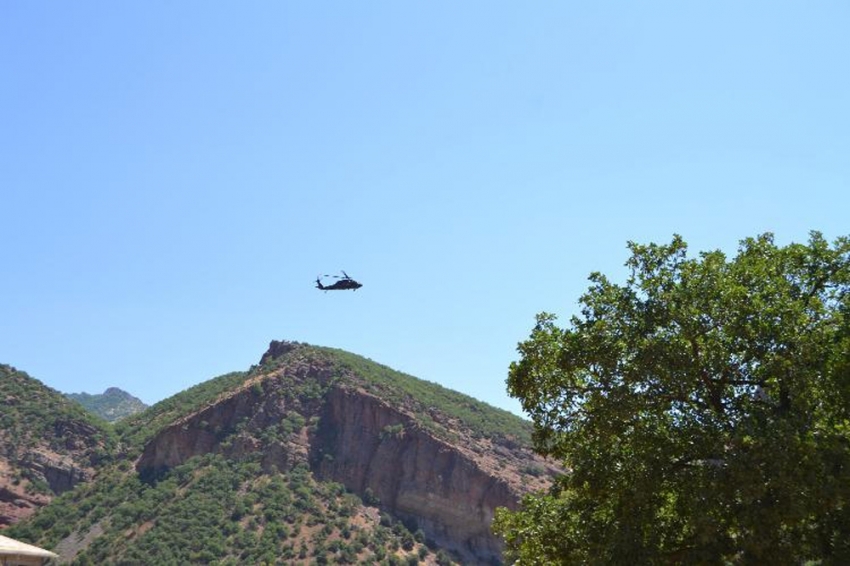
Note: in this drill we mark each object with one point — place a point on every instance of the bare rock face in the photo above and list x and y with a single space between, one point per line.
16 503
448 488
234 424
60 473
374 449
201 432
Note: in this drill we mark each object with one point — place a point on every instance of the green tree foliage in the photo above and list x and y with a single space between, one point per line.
703 409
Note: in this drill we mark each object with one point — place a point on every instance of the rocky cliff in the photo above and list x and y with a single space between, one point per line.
16 502
447 490
420 463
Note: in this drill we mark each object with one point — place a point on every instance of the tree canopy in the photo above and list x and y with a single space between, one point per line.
702 409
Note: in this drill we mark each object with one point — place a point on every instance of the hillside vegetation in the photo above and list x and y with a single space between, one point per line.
240 470
213 510
36 415
48 444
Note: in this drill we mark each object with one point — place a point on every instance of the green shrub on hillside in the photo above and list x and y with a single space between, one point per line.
36 415
212 510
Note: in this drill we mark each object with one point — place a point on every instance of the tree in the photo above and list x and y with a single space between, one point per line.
702 410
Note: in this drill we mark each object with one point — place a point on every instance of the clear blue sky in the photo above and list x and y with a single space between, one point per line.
173 175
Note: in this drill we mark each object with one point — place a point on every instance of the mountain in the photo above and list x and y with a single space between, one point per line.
48 445
112 405
314 455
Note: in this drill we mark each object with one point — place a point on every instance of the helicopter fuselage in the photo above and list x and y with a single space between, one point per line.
344 284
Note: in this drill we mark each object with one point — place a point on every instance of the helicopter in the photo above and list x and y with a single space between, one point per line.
345 282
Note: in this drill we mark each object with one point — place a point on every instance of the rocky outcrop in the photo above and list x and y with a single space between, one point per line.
16 504
449 490
374 449
203 431
278 349
17 498
60 473
234 423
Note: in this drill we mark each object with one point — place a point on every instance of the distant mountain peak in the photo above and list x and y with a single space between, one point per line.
112 405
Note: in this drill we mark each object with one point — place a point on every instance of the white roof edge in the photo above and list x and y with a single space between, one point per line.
10 546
